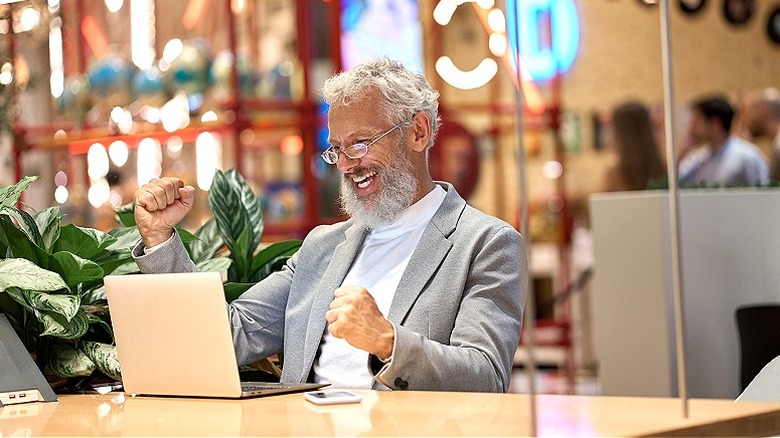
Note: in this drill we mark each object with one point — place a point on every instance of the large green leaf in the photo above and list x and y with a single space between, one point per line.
118 253
186 236
9 195
94 295
125 214
94 319
84 242
54 324
66 361
103 356
61 304
76 270
17 295
274 251
56 327
14 243
229 213
110 261
208 243
250 201
14 310
217 264
49 222
242 261
125 237
24 222
234 290
131 267
24 274
238 214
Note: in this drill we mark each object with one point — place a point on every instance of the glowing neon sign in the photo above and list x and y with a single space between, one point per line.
550 35
549 41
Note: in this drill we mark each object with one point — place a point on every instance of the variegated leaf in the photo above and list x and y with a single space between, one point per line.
130 267
84 242
104 357
94 295
25 274
111 260
25 223
9 195
17 295
218 264
229 212
208 243
125 214
66 361
96 320
126 237
49 222
14 243
61 304
251 204
73 329
76 270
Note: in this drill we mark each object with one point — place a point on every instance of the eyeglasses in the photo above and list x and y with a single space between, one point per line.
355 151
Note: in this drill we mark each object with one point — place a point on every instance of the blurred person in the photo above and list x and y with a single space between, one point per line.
716 157
763 121
639 163
417 290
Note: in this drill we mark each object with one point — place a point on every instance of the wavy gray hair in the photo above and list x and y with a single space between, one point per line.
404 92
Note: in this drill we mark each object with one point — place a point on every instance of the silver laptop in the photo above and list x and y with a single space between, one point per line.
173 337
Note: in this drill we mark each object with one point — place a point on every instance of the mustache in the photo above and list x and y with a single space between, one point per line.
361 170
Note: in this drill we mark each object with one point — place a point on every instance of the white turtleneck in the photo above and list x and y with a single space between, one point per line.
378 267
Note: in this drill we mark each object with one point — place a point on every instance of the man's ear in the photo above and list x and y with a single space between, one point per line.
421 131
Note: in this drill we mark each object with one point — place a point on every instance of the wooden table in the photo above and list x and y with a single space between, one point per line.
387 414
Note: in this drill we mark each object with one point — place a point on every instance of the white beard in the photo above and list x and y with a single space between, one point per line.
386 205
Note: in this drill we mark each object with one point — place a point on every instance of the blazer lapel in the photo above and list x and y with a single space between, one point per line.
428 256
342 258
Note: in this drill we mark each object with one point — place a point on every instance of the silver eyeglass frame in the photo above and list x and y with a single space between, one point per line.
355 150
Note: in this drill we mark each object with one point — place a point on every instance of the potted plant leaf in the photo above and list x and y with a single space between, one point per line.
51 275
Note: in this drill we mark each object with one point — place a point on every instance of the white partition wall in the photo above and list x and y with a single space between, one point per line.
730 257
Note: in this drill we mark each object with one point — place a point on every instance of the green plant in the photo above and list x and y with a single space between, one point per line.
51 275
51 286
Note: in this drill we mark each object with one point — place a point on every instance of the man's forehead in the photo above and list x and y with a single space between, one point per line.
347 119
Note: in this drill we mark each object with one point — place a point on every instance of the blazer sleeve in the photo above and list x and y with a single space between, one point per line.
168 257
486 330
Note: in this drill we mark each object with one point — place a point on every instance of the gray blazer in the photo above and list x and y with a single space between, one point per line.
457 312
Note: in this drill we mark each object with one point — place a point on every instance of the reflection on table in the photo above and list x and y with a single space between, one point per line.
386 414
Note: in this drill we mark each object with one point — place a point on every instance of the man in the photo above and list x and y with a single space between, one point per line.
764 122
720 159
417 290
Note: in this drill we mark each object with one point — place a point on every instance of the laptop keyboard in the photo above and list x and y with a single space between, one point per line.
259 386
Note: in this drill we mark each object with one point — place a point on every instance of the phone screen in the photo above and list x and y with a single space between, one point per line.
331 397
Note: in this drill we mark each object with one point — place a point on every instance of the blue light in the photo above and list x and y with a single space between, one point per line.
542 59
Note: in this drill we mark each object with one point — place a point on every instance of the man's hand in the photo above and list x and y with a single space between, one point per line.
159 206
354 316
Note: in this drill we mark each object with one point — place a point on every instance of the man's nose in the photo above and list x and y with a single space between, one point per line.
345 164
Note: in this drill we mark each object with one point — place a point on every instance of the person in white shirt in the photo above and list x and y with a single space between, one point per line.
763 120
417 290
721 159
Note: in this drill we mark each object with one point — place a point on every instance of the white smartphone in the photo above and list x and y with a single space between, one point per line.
331 397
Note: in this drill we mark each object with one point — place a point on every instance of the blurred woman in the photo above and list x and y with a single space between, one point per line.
639 163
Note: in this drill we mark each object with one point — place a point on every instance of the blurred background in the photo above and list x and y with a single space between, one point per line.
99 96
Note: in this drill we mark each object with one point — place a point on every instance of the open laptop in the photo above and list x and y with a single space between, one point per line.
20 379
173 337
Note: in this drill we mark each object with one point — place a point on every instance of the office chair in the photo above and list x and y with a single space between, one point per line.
766 385
759 335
